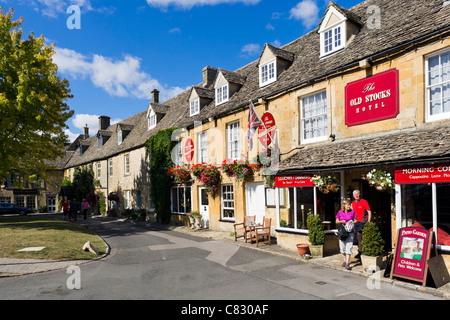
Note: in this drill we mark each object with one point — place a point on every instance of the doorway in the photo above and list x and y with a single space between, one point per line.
255 201
203 203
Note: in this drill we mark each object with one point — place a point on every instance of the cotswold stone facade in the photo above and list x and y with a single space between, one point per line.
322 125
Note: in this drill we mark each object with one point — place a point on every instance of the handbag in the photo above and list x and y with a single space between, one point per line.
342 234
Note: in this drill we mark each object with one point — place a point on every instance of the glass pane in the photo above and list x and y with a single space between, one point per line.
417 205
447 105
443 210
433 63
305 205
436 93
436 107
434 77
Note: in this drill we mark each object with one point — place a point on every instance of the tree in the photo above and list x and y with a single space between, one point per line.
33 111
83 182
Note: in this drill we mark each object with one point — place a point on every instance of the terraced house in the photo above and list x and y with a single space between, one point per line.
366 92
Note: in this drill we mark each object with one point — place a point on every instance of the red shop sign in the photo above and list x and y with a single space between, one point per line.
189 150
411 254
438 173
266 136
372 99
294 181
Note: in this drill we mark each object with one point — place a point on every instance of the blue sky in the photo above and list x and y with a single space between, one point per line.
125 49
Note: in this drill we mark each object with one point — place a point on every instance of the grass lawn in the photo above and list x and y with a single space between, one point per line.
62 240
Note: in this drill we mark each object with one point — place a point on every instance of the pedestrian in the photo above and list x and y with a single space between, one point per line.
363 215
74 207
65 209
84 207
347 217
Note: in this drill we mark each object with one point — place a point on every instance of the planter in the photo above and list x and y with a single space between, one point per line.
316 251
191 221
198 222
302 248
374 263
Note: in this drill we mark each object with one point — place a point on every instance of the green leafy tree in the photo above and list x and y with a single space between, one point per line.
33 111
83 182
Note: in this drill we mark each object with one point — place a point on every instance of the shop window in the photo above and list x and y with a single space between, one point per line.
443 211
417 205
181 200
438 86
314 125
227 202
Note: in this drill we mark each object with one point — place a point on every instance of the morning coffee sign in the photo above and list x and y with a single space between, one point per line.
372 99
411 254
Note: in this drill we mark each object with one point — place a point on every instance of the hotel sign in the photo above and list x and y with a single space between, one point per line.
189 150
372 99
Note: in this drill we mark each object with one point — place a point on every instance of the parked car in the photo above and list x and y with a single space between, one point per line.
9 208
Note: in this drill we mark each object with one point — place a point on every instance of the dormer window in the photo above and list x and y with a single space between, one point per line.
119 137
100 140
222 94
152 121
332 40
195 107
267 73
337 29
272 62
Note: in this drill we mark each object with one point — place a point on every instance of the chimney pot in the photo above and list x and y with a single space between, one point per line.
104 122
86 131
209 75
155 96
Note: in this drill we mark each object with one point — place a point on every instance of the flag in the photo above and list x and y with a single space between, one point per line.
254 121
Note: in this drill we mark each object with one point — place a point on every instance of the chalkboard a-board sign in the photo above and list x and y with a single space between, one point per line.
412 253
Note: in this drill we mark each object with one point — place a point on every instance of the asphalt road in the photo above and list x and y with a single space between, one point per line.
155 264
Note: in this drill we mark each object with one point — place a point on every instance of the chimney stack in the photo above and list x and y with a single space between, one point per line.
209 75
86 132
104 122
155 96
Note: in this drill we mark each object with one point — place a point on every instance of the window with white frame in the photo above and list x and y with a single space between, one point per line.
195 107
202 147
314 126
178 154
99 170
332 39
222 94
152 121
127 199
110 167
181 199
227 195
127 164
267 73
438 86
233 140
119 137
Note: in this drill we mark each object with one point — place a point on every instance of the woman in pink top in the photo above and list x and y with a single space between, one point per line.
347 217
84 207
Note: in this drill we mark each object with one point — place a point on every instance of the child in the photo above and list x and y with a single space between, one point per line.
347 217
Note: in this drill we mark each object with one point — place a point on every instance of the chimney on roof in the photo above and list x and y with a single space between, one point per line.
155 96
209 75
103 122
86 132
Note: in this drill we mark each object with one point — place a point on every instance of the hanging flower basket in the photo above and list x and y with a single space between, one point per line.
209 175
113 197
180 175
380 179
325 184
239 169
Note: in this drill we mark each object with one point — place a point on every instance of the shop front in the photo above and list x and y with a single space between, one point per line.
423 199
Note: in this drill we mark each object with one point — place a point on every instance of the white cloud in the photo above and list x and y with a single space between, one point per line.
307 11
82 120
53 8
188 4
250 49
118 77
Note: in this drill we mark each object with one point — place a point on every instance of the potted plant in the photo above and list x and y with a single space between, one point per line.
316 235
372 247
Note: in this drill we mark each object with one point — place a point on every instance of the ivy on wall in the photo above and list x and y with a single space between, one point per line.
160 147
